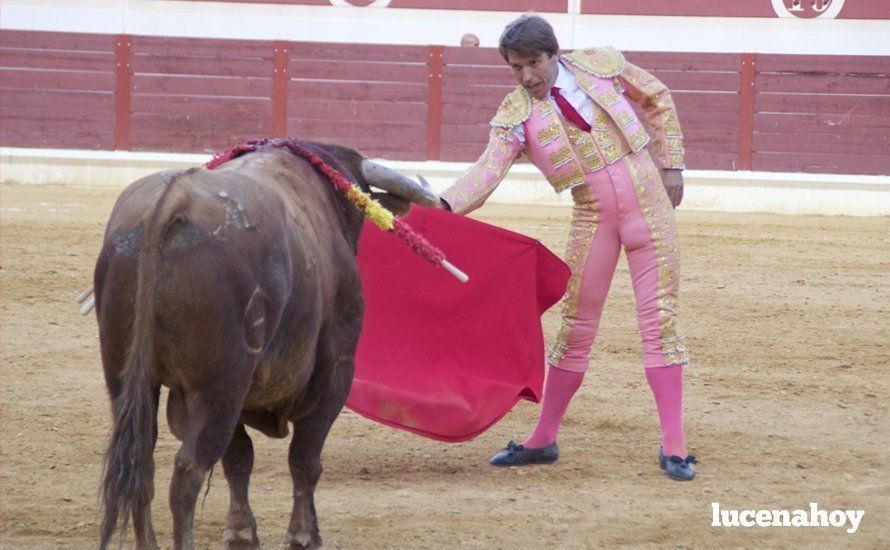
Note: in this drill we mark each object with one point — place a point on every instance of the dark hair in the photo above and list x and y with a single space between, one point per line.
528 36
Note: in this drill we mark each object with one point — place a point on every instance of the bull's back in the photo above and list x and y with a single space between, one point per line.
248 267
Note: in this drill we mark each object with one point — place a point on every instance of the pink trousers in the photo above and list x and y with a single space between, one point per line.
624 204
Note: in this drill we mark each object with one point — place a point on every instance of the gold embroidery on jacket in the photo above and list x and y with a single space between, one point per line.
514 109
607 98
549 134
604 62
545 108
606 142
638 139
561 157
661 113
479 180
601 119
573 177
624 119
675 145
584 144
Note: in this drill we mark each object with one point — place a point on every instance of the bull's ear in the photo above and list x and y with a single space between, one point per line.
394 204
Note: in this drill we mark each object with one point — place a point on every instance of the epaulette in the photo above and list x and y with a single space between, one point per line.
604 62
514 110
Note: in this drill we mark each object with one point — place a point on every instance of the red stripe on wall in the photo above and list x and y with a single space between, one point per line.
279 90
434 105
746 110
123 72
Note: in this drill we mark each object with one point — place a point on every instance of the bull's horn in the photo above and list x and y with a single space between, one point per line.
392 182
425 184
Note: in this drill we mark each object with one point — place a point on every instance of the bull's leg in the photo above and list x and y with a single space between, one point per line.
211 421
305 469
238 464
310 433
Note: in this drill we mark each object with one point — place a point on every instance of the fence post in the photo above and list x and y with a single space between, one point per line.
434 104
746 111
279 89
122 76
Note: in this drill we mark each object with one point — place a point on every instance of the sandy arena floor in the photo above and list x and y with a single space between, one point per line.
788 320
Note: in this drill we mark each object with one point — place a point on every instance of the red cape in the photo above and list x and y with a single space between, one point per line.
445 359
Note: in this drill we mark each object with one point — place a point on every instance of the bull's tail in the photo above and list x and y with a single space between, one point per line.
128 478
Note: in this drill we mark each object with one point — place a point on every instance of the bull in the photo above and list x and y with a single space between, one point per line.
238 290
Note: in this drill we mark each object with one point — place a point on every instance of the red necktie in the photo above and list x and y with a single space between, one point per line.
568 111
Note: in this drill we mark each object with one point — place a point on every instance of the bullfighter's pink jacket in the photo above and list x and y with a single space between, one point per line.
562 152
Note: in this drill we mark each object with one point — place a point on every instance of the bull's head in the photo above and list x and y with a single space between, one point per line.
397 192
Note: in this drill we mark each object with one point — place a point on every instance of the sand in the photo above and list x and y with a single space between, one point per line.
787 319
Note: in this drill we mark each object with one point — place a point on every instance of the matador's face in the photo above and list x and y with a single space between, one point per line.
535 73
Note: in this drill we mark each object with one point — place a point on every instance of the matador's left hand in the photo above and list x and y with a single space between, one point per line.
673 184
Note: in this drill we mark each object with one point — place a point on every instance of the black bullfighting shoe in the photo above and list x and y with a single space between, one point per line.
519 455
681 469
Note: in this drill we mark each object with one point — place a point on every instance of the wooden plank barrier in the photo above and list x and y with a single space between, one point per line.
474 81
784 113
199 95
371 97
822 114
57 90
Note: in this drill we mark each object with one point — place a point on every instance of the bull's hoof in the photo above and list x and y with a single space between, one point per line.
303 541
244 539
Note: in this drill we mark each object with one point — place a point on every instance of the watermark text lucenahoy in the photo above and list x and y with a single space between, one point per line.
814 517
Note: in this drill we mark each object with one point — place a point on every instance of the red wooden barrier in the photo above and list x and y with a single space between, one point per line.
786 113
821 114
371 97
199 95
474 81
57 90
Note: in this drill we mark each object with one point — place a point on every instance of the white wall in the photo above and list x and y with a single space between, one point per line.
705 189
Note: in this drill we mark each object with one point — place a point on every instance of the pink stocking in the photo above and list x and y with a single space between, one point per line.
667 387
561 386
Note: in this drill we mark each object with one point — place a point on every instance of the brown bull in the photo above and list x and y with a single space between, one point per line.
238 290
